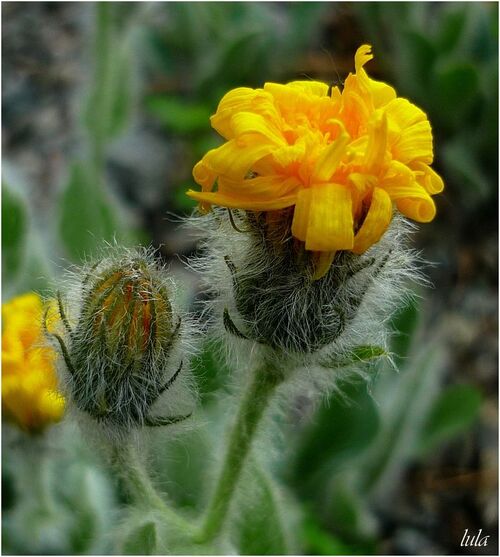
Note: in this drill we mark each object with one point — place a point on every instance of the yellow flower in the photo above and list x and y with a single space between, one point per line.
29 385
340 158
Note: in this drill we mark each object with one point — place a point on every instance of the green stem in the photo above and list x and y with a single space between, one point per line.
140 487
252 407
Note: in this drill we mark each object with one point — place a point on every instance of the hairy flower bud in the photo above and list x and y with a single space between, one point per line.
264 287
122 352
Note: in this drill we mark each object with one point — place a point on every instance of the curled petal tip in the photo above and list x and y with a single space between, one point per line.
362 56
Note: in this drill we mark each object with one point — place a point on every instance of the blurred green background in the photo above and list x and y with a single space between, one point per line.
105 111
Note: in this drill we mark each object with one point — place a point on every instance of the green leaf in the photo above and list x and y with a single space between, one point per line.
37 273
14 226
360 354
90 499
342 430
121 95
142 540
260 527
343 508
179 115
464 168
319 541
241 60
209 370
86 218
453 413
109 102
417 59
181 463
451 30
453 90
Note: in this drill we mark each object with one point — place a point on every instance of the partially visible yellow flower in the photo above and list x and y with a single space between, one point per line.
29 385
341 158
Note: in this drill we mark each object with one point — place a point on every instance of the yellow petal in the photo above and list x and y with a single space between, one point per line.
249 204
411 199
288 154
376 221
397 174
294 101
380 92
402 114
261 187
233 160
377 144
324 260
243 123
355 110
414 144
362 182
330 225
331 157
362 56
417 208
242 99
317 88
301 214
204 176
429 178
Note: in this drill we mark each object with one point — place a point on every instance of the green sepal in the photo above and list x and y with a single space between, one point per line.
159 421
360 354
230 326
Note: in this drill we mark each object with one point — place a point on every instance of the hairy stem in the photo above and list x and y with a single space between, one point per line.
139 485
252 408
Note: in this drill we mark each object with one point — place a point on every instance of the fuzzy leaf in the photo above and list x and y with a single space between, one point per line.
86 218
179 116
341 431
404 325
319 541
108 105
453 413
454 88
465 168
142 540
451 30
14 225
209 370
418 56
359 354
121 105
260 527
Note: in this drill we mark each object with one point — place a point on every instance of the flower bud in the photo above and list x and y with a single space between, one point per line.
265 287
122 353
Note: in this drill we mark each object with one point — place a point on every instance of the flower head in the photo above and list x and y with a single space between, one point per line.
340 159
29 385
120 338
